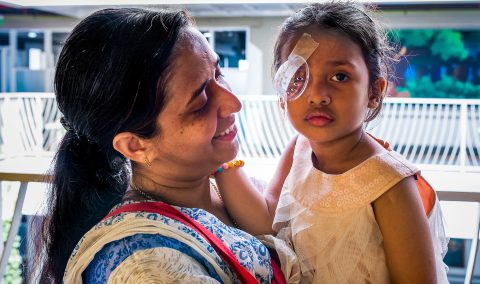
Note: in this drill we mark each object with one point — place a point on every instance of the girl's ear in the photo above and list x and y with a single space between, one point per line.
281 103
376 93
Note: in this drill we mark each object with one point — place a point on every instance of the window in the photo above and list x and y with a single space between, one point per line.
4 59
30 50
230 45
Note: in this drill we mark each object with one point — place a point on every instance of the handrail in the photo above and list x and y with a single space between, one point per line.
27 95
387 99
432 133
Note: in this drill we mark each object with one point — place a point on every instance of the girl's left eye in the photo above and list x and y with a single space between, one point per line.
340 77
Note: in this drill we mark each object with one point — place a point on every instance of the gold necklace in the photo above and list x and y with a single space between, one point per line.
215 188
142 193
212 185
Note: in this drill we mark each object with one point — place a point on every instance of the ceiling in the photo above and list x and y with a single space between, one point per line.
197 10
209 8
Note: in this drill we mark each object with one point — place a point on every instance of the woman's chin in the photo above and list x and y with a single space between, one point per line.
229 153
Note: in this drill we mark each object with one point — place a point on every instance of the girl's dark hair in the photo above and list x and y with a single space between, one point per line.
110 78
353 21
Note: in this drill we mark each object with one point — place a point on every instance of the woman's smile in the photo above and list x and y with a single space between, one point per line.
228 134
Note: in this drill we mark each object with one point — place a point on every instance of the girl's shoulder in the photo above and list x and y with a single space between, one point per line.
355 188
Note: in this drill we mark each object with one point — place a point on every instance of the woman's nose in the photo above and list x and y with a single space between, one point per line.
228 103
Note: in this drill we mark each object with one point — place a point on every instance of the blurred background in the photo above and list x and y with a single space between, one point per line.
432 117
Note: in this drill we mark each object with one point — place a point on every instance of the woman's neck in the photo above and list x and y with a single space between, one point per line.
344 153
188 193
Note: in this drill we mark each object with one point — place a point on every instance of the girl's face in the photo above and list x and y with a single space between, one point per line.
197 124
336 99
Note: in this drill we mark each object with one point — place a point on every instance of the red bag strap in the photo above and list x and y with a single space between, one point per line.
278 277
167 210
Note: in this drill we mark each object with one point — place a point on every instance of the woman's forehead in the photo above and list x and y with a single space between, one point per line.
193 62
193 47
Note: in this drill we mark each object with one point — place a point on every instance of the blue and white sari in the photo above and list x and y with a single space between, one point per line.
152 248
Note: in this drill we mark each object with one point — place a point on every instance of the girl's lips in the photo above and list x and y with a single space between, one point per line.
319 118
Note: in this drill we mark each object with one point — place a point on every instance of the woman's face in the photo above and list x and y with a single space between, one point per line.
197 129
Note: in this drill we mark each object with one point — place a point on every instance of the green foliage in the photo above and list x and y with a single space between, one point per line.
13 272
449 44
415 38
444 63
446 87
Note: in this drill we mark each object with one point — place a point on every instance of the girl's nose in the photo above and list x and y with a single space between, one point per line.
319 98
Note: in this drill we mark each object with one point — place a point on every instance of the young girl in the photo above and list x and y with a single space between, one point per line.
351 208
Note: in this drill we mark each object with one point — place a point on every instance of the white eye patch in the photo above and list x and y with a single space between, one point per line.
292 76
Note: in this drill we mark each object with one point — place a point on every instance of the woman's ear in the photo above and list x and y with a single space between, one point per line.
376 93
131 146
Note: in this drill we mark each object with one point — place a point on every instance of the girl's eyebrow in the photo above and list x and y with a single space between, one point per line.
341 63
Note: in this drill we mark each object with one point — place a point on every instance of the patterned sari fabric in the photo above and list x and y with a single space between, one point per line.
152 248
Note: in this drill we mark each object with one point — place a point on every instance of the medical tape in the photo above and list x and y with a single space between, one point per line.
303 49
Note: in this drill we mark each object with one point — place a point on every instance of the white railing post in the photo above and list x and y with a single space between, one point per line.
463 136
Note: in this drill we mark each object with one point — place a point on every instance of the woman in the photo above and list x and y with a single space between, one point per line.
148 118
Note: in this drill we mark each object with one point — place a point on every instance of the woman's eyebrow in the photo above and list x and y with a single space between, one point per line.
198 91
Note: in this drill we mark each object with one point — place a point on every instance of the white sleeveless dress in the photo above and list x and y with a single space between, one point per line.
330 223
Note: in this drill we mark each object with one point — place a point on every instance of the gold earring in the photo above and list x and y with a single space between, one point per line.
147 162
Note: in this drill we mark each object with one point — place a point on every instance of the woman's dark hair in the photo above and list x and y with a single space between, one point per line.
353 21
110 78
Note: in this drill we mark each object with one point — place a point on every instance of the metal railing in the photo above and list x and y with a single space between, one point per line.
29 123
429 132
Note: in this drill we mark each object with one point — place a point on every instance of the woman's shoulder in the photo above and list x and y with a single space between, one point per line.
116 238
149 255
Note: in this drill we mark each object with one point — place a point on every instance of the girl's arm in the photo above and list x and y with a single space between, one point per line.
276 184
407 240
253 210
244 202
